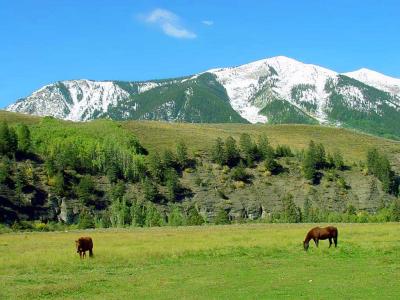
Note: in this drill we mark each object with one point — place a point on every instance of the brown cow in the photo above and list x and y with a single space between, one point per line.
84 244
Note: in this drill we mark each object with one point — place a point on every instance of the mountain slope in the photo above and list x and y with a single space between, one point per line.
276 90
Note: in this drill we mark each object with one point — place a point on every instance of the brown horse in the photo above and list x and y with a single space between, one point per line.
84 244
318 233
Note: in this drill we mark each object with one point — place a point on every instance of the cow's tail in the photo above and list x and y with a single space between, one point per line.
90 253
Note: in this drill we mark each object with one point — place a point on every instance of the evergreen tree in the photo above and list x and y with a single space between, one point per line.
336 160
8 140
5 169
20 181
193 217
239 173
270 163
248 148
222 217
169 160
263 146
86 220
175 217
24 138
307 210
4 139
283 151
153 216
182 155
112 173
85 189
13 141
155 166
395 211
309 162
291 213
149 190
172 184
218 152
59 184
320 156
232 155
138 214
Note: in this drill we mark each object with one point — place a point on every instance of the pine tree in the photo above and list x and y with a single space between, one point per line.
172 184
153 216
149 190
138 214
24 138
5 169
4 139
155 166
232 155
85 189
193 217
182 155
263 146
175 217
248 149
291 213
338 160
59 184
309 162
169 160
222 217
218 152
320 157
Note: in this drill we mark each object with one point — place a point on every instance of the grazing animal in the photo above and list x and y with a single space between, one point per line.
84 244
318 233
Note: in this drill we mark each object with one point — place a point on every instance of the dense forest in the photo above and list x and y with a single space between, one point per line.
97 174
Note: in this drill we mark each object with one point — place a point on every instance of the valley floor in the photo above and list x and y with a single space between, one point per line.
258 261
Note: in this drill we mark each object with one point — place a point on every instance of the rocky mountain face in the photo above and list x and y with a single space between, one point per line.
275 90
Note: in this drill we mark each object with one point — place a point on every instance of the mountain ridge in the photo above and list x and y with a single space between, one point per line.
272 90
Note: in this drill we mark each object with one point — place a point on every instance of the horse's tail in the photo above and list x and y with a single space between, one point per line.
90 252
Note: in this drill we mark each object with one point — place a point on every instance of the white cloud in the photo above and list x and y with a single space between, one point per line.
208 22
169 23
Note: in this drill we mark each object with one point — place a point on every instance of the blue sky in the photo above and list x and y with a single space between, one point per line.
43 41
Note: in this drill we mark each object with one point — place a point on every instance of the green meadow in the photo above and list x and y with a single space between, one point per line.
254 261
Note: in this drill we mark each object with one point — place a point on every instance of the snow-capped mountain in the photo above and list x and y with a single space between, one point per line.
377 80
273 90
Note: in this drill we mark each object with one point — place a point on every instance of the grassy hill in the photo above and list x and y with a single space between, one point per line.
199 137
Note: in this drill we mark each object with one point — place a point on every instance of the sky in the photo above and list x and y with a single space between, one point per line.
43 41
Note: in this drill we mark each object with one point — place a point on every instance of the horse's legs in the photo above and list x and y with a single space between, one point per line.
335 241
80 254
84 254
330 242
316 242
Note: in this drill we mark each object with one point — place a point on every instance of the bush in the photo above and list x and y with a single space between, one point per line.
86 221
193 217
222 217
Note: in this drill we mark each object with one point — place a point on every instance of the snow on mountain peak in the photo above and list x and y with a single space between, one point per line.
243 82
377 80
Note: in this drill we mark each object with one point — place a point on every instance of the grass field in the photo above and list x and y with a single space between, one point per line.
210 262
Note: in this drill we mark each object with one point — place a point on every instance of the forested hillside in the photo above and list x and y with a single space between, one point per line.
106 173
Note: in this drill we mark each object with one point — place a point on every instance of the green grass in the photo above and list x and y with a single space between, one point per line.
210 262
199 137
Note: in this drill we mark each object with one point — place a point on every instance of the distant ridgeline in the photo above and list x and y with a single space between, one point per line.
55 173
277 90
